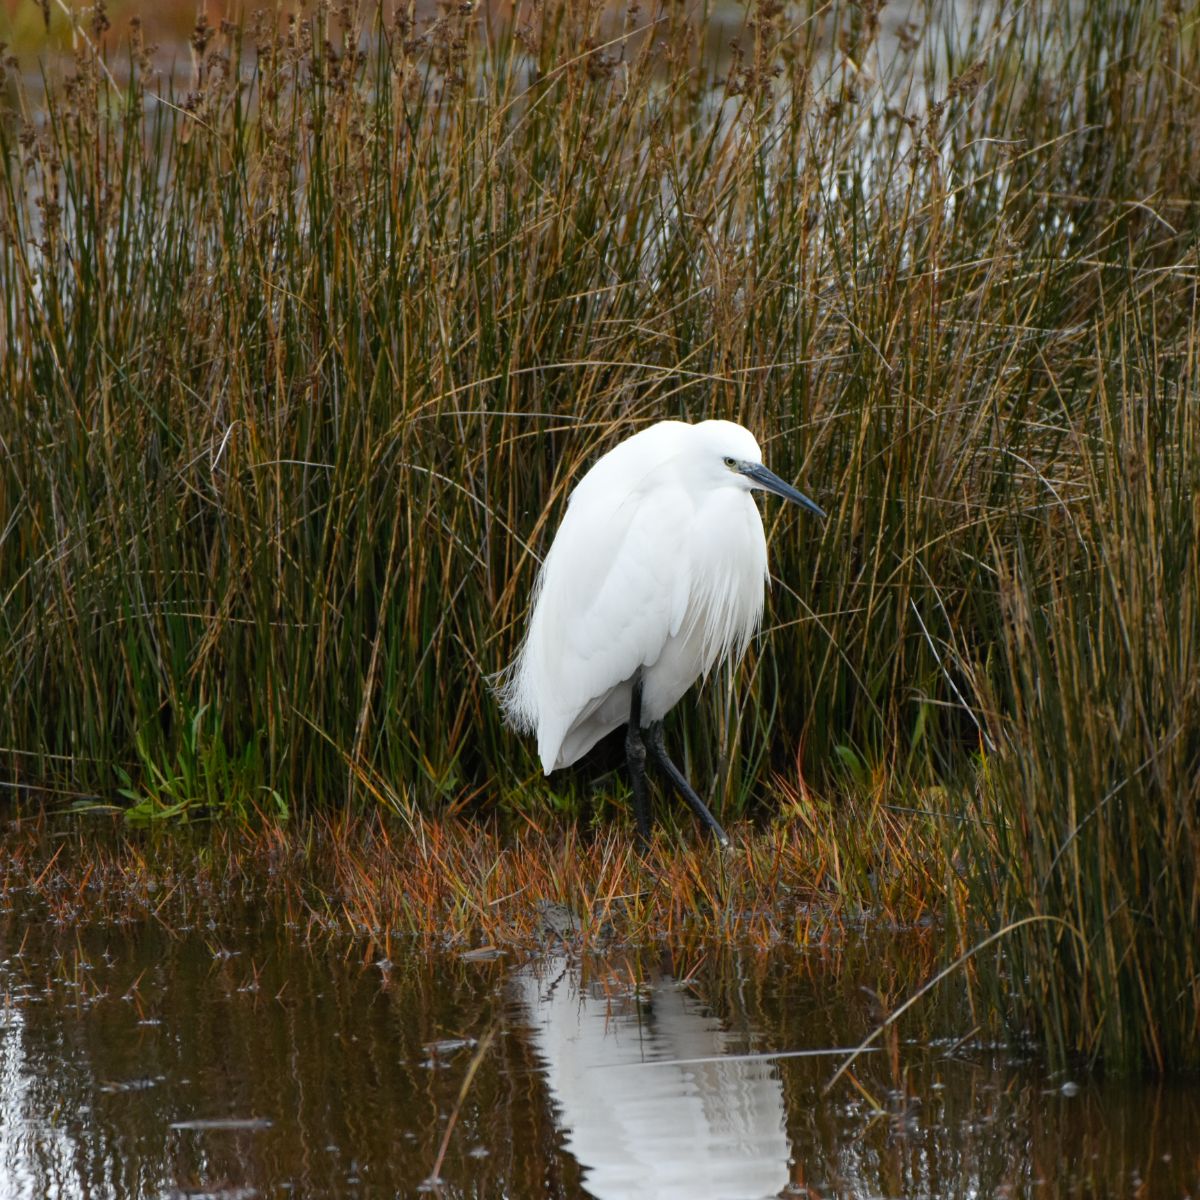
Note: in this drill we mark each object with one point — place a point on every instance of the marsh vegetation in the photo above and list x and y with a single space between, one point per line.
301 355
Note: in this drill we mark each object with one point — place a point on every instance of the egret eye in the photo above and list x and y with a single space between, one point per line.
730 462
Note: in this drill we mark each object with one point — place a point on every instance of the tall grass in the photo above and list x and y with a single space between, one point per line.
301 358
1093 801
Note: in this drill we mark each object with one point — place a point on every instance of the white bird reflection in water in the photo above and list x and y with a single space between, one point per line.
640 1115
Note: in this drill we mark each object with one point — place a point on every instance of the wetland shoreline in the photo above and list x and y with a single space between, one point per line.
228 1013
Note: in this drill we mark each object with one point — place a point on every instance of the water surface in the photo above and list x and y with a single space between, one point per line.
241 1059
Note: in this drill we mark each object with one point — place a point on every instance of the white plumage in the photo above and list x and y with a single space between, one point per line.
659 566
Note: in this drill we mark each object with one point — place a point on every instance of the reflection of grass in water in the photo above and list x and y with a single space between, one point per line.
298 365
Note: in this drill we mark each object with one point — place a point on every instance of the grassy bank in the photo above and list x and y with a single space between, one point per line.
467 885
301 356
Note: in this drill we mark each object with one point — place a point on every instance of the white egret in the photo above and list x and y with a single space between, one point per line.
656 573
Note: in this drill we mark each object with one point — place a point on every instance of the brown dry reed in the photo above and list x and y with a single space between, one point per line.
467 886
302 353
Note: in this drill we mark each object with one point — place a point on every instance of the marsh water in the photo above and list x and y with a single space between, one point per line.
247 1059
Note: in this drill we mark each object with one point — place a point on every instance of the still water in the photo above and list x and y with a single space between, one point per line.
246 1060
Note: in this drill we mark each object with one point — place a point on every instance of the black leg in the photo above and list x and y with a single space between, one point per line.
654 740
635 756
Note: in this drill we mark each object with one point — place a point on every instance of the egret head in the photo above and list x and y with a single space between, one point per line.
734 449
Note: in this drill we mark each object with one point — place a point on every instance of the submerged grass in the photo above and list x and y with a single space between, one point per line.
301 358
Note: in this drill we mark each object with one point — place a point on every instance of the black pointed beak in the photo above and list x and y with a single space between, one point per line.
770 482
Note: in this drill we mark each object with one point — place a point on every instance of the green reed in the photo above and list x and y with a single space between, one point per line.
302 354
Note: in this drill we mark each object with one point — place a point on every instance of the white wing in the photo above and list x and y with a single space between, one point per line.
612 591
